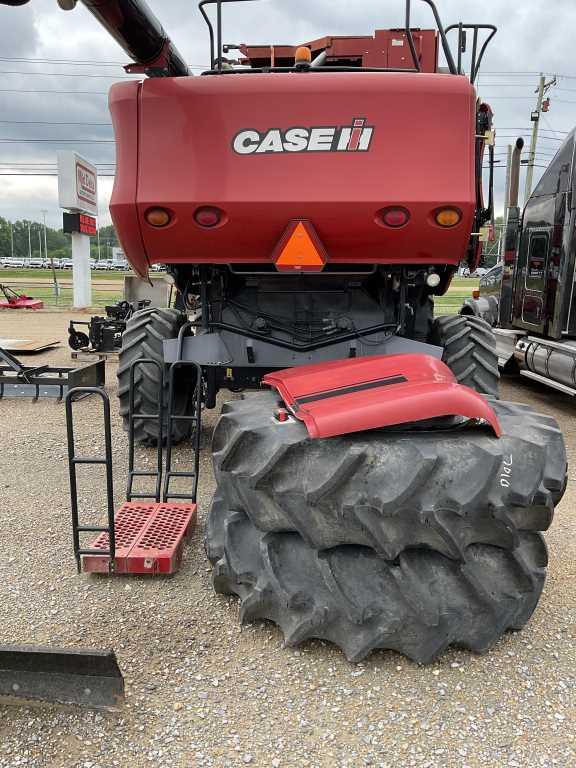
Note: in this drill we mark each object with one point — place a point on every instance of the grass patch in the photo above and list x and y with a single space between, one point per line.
461 288
61 274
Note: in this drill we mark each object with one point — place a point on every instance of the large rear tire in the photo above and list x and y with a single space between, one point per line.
387 490
469 351
144 337
417 605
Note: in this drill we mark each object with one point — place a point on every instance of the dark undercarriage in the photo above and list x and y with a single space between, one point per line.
246 323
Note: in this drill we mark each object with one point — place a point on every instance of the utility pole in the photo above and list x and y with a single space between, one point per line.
40 242
543 86
29 243
45 239
54 278
11 240
98 237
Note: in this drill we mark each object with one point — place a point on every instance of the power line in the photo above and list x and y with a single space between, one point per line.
83 75
48 175
57 141
83 62
40 163
515 135
49 122
75 93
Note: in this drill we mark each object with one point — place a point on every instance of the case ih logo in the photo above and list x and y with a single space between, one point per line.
348 138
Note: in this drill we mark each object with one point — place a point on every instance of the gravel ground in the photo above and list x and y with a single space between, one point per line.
201 691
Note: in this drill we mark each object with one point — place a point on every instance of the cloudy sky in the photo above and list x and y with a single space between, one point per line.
56 68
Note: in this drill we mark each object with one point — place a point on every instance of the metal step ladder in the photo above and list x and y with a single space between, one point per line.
146 534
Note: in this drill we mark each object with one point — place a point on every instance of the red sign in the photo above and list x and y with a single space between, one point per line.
87 224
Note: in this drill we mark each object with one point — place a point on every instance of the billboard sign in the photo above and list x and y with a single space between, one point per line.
77 183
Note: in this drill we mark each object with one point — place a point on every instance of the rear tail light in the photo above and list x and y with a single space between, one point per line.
448 217
394 217
158 217
208 216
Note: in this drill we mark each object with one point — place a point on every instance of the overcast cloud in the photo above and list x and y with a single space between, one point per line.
533 36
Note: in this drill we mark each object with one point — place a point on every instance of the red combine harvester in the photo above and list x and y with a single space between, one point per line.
309 203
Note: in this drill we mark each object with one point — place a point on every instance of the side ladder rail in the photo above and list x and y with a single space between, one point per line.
106 460
132 419
195 420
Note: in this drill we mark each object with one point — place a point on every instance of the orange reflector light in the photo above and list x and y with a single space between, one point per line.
303 55
448 217
476 293
158 217
300 249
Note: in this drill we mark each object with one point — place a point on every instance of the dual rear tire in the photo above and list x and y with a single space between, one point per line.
144 338
410 541
398 540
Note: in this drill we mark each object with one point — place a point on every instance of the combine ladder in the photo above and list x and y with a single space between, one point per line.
146 534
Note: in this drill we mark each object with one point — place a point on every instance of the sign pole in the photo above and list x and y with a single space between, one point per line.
81 274
78 194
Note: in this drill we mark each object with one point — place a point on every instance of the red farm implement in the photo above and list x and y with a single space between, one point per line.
14 300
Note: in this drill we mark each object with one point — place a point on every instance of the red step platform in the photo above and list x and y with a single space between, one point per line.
149 539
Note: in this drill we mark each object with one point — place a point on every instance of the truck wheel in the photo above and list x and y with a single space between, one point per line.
391 490
469 351
145 333
418 604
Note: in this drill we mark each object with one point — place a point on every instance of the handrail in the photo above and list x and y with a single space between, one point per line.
476 58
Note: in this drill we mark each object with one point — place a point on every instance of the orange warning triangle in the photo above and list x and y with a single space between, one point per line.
299 251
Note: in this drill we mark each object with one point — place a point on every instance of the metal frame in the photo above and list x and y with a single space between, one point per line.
15 374
132 418
476 58
323 341
74 461
195 420
216 62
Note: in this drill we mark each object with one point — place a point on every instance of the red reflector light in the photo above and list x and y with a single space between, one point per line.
394 217
208 216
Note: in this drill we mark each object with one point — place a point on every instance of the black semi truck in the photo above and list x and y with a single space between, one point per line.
530 297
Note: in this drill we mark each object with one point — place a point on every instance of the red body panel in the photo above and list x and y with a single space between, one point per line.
124 109
344 396
178 146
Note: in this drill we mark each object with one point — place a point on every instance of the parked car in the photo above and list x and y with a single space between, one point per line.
36 264
15 263
66 264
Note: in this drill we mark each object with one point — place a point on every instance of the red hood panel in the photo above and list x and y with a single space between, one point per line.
345 396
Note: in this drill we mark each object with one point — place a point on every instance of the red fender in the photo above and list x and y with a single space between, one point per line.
344 396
